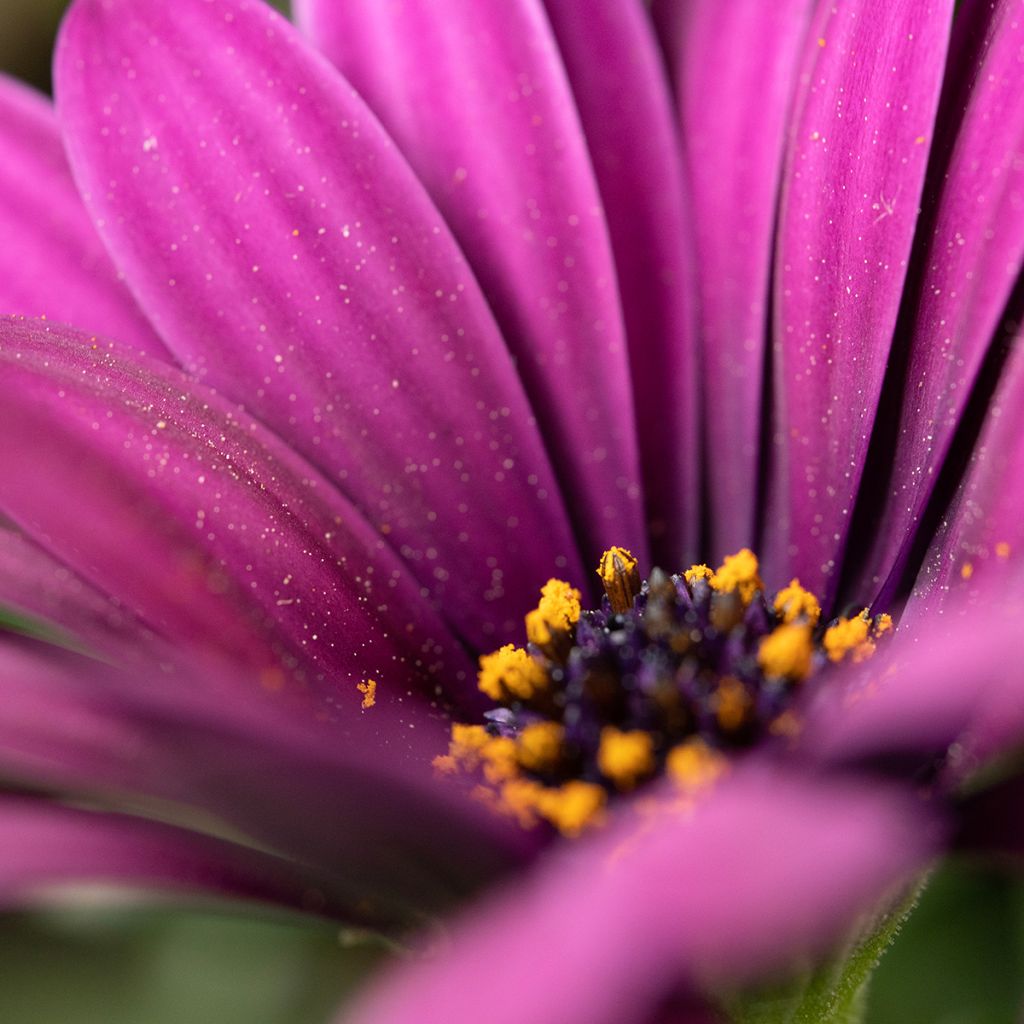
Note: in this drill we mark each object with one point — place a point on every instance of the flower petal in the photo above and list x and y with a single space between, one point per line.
850 200
476 97
723 55
975 250
766 868
53 263
35 584
356 807
976 552
203 524
288 255
49 849
624 105
950 679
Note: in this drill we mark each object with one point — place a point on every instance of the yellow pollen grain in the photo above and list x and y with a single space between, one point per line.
849 636
967 570
369 692
787 652
539 746
697 572
883 624
620 577
731 703
519 798
693 765
794 602
445 764
511 673
625 757
1002 550
573 807
466 743
499 759
738 575
557 612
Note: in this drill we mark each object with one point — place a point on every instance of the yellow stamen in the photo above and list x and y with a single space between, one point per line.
625 757
697 572
510 673
540 745
882 625
519 797
731 703
369 692
573 807
693 765
499 758
793 602
620 576
849 636
787 652
738 575
556 614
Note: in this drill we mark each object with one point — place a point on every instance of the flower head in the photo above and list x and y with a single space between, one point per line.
403 333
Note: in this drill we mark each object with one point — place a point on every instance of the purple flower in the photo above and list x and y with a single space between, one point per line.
396 347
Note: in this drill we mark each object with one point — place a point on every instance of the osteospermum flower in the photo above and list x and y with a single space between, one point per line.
407 344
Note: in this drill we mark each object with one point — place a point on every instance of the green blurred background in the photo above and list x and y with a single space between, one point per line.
960 959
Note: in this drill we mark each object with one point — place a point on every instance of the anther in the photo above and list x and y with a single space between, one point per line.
620 577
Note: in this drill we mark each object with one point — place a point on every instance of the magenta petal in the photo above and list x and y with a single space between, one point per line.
475 95
52 262
203 523
356 803
51 850
950 679
978 547
973 259
723 55
625 108
287 254
872 72
35 584
766 868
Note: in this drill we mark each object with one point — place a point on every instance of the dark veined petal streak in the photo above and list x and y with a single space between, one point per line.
488 123
626 112
207 140
721 55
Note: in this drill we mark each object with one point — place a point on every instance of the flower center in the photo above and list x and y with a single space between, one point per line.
674 676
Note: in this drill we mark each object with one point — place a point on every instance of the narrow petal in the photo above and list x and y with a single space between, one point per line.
724 55
977 548
203 524
870 87
35 584
53 263
356 806
767 868
625 108
476 97
975 250
288 255
949 679
50 851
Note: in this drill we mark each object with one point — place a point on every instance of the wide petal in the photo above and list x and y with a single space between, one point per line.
355 806
203 524
735 68
287 253
768 867
871 78
476 96
51 851
53 263
974 255
624 105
